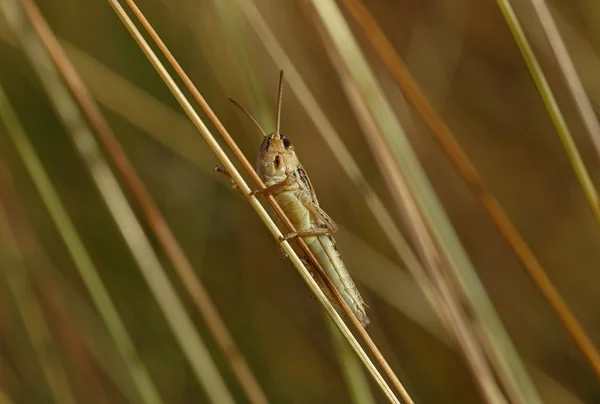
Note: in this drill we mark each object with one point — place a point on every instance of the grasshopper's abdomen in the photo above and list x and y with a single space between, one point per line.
326 252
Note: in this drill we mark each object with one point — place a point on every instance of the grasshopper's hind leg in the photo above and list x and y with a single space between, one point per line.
328 225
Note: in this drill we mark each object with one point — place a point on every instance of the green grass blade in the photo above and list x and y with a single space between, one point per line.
511 368
549 100
22 293
354 374
79 254
194 348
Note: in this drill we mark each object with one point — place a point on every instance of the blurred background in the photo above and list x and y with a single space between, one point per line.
56 341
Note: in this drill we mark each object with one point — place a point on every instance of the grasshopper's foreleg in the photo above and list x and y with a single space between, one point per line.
234 186
274 188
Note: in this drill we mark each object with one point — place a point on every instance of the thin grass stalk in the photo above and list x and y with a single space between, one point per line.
231 23
195 350
449 303
119 100
254 201
60 306
119 95
552 107
79 254
354 375
231 143
85 319
153 216
447 141
339 150
396 151
30 310
561 54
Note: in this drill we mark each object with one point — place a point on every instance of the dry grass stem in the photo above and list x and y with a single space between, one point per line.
34 265
561 54
447 141
354 375
66 107
157 222
175 132
79 254
554 111
339 150
435 236
448 302
256 204
26 301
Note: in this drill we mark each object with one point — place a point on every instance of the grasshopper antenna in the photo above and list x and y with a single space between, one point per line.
234 102
279 97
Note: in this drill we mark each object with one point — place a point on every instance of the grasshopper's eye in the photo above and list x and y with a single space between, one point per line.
288 143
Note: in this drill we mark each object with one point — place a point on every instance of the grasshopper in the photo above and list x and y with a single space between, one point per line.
285 178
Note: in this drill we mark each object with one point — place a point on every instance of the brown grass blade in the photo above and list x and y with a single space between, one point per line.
448 301
254 202
148 207
66 107
433 233
463 165
21 290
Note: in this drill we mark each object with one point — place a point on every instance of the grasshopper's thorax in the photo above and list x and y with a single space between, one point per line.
276 159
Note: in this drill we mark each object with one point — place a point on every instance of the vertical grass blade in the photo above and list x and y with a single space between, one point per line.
567 67
339 150
449 304
509 366
245 189
78 252
30 310
549 100
149 209
471 177
67 109
229 17
354 375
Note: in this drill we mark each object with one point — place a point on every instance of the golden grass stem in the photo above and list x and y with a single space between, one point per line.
448 303
434 235
66 107
339 150
35 265
175 132
29 308
554 111
447 141
229 17
118 94
561 54
256 204
79 254
354 375
149 209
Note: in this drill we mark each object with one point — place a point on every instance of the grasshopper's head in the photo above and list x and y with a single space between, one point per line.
276 158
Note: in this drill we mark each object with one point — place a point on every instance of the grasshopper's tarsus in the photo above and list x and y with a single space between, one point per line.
282 253
234 186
